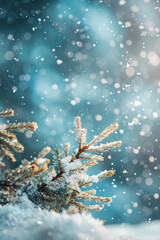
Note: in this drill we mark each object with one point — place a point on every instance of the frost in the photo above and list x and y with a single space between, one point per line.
73 166
94 178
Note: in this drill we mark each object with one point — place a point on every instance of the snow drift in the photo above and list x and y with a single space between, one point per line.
25 221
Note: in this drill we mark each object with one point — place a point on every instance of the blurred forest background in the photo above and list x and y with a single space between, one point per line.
99 60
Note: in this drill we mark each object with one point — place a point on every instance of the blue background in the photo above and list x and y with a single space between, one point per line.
99 60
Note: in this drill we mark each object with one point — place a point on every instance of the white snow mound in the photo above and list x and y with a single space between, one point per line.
24 221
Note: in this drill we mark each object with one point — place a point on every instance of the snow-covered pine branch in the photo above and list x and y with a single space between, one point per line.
60 185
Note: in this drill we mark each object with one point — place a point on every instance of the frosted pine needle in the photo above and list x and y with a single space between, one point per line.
44 152
66 148
8 140
105 133
22 126
6 113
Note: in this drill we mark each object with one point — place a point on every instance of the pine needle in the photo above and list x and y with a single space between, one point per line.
22 126
44 152
104 134
6 113
66 149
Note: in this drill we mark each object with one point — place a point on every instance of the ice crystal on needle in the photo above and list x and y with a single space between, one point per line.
61 185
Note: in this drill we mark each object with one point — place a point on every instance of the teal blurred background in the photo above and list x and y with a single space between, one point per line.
99 60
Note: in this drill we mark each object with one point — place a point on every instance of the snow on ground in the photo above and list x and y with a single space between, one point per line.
24 221
143 231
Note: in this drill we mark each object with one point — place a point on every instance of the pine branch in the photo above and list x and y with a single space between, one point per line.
23 172
6 113
89 147
44 152
59 186
66 149
104 134
8 140
22 126
103 147
6 152
59 160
